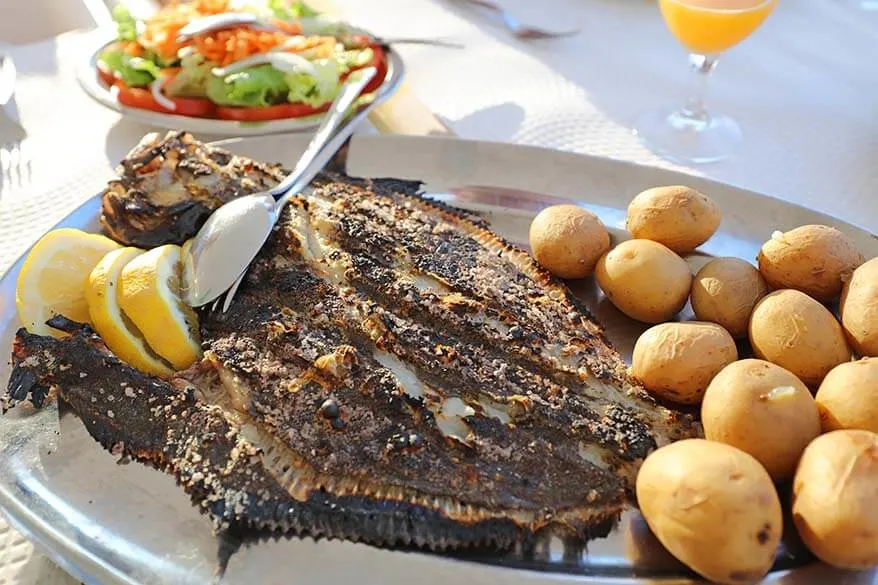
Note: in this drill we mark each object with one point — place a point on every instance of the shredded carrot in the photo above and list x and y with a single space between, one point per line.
133 49
227 46
291 28
161 30
206 7
222 47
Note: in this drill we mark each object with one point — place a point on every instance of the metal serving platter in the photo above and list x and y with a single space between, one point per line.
127 524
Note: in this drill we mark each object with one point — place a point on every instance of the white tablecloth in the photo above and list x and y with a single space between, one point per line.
804 88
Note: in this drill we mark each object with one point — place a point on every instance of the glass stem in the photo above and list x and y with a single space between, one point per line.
701 67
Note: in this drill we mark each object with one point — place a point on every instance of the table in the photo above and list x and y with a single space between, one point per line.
804 88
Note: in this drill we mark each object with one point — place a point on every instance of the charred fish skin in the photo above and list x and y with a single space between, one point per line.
154 422
167 187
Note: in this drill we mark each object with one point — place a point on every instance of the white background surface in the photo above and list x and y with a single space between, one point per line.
804 89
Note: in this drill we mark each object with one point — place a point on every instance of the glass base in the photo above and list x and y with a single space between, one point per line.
683 138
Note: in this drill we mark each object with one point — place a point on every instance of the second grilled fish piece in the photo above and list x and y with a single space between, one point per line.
167 187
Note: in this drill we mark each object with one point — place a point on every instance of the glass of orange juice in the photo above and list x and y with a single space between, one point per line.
707 28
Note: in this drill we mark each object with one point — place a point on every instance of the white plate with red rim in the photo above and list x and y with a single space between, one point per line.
87 75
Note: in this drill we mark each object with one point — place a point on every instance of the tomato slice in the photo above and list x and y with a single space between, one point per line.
191 106
105 76
138 97
262 114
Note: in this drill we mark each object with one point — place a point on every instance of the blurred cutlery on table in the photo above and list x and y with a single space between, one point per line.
513 25
14 158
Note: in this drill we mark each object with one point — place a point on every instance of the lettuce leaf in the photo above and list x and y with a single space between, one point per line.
191 81
134 71
262 85
158 59
353 58
287 10
318 89
126 25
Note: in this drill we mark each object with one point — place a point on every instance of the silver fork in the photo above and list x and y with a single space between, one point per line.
513 25
14 156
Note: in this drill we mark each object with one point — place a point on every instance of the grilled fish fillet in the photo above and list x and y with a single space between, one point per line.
167 188
394 372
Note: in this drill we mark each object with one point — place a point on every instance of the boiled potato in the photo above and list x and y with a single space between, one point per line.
645 280
794 331
848 396
679 217
713 507
676 361
568 240
815 259
764 410
835 498
725 291
859 309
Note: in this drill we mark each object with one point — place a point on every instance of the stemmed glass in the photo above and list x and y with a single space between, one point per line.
690 134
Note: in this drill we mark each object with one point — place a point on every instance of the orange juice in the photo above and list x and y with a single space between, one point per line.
708 27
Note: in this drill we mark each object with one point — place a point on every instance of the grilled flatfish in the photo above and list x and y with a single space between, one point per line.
391 371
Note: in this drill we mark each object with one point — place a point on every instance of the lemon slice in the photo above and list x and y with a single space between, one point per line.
149 294
118 332
53 278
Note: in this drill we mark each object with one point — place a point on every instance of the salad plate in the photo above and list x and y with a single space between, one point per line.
127 524
231 93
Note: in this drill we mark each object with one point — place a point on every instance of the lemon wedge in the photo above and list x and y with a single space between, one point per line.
118 332
149 294
53 278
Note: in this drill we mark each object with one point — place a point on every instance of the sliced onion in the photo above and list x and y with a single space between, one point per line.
286 62
290 43
185 51
156 88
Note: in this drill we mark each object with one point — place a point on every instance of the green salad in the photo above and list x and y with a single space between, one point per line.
287 63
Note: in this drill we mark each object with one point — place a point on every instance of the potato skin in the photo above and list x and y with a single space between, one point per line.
792 330
567 240
679 217
848 396
645 280
859 309
676 361
814 259
834 499
725 291
713 507
764 410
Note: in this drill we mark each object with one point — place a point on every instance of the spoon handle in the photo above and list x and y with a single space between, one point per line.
217 22
305 169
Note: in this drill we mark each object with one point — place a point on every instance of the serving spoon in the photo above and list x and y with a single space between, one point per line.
221 21
226 20
231 237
